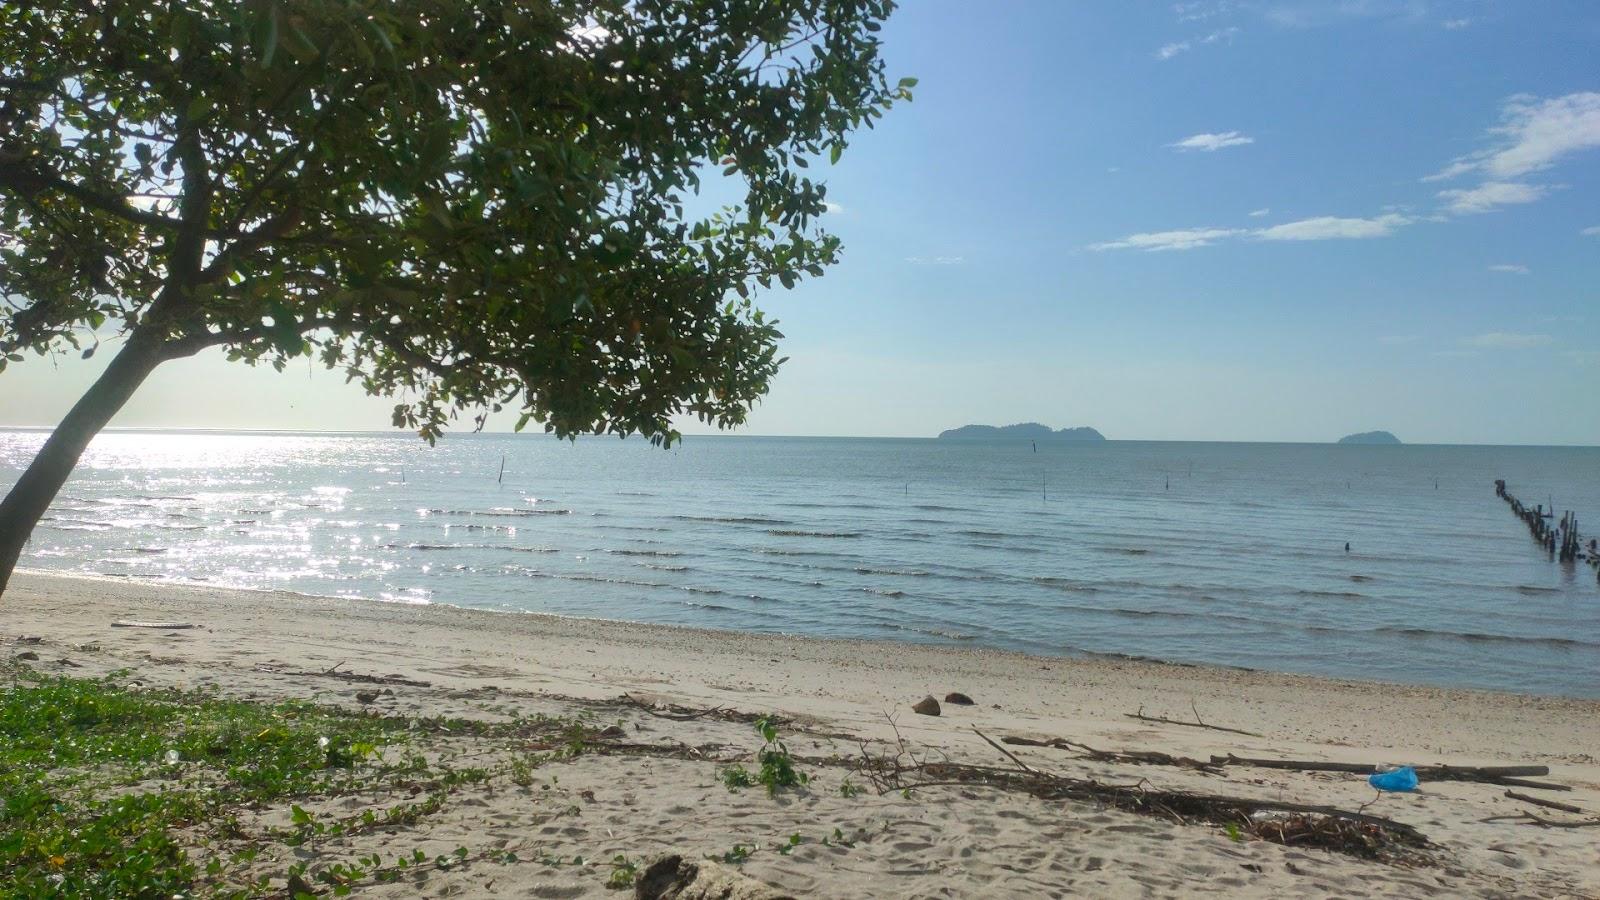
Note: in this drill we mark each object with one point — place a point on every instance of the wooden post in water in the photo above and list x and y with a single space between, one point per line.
501 478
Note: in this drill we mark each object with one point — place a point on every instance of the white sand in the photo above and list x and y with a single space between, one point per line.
941 842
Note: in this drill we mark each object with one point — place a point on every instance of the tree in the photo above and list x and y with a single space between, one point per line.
469 206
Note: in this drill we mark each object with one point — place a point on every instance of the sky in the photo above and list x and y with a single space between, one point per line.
1252 220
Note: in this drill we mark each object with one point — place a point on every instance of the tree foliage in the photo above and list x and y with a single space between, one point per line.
466 205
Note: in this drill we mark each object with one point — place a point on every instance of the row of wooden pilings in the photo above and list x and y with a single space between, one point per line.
1562 540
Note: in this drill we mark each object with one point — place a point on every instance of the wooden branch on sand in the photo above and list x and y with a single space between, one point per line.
1500 775
334 672
1542 822
1137 757
1547 804
1197 723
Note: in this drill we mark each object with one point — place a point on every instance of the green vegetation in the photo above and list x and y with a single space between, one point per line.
776 767
108 790
95 778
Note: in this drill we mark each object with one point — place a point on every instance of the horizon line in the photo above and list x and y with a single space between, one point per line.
202 429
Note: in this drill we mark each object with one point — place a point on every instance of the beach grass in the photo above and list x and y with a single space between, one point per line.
109 788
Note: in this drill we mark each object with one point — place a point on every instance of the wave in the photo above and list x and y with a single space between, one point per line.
630 552
1481 637
735 520
1341 595
814 534
901 573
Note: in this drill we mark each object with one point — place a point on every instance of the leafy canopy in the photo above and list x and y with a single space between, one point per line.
477 205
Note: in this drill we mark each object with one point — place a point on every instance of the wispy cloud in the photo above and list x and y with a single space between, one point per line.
1314 13
1210 143
936 260
1333 228
1168 51
1591 231
1507 340
1319 228
1455 24
1199 10
1258 213
1533 135
1491 195
1509 268
1181 239
832 207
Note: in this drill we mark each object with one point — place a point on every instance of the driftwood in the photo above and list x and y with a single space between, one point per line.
1197 723
334 672
1301 824
1500 775
1547 804
1137 757
1542 822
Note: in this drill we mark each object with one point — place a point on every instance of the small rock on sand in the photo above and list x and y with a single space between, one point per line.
926 706
957 698
27 654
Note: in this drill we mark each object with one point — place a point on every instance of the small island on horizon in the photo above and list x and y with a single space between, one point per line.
1024 431
1370 437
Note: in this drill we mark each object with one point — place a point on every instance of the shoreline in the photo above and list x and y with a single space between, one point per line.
840 696
1080 656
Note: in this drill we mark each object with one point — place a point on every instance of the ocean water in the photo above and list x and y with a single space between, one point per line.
1199 552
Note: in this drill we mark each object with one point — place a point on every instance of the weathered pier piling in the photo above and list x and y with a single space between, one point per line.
1562 541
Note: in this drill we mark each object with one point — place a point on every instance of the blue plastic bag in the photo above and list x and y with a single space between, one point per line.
1400 780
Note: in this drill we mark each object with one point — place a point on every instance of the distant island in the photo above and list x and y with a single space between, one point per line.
1028 431
1370 437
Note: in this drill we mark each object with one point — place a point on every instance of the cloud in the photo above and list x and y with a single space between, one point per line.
1510 268
936 260
1258 213
1533 135
1319 228
832 207
1182 239
1197 11
1455 24
1490 195
1539 132
1459 167
1168 51
1332 228
1211 143
1591 231
1507 340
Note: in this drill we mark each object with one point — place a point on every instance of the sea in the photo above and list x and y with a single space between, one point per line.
1218 553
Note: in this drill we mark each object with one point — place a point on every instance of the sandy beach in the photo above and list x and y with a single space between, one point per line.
960 840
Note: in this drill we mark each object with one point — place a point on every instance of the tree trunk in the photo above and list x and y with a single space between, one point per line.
37 488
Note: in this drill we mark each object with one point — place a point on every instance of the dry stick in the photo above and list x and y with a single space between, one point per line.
1009 755
1195 724
1532 819
1144 757
1548 804
1440 772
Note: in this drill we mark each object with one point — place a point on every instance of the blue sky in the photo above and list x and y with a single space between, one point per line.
1206 220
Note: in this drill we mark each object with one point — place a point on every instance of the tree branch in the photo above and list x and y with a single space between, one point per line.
28 182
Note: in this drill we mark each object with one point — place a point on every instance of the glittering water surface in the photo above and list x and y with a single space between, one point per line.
1217 553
